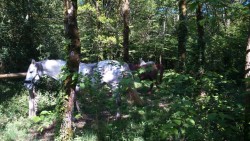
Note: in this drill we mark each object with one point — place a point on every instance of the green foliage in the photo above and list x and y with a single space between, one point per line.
86 136
16 130
44 119
207 106
101 30
180 84
176 111
36 36
215 114
152 36
13 106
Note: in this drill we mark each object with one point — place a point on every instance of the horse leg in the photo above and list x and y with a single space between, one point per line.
152 85
32 103
151 88
134 96
77 90
118 103
151 78
117 96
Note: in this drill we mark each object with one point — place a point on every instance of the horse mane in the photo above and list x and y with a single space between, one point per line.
134 67
39 67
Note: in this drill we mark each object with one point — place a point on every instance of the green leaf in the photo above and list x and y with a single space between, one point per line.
45 113
78 116
137 84
75 77
142 70
36 119
212 116
193 6
177 121
202 22
191 121
141 112
82 85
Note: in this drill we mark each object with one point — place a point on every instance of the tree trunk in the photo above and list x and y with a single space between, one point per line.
101 49
125 16
73 60
182 35
247 85
200 51
201 42
247 95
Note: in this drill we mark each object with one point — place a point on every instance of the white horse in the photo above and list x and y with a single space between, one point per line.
111 72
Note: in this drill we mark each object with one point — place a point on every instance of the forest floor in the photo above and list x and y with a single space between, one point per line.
104 116
100 114
172 112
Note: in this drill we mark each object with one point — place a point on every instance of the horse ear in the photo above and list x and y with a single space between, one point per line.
142 62
33 61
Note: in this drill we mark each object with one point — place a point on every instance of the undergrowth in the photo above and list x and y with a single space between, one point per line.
183 108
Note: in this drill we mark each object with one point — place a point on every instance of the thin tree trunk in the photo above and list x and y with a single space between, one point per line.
125 16
117 50
73 60
201 41
101 49
247 85
182 35
200 51
247 95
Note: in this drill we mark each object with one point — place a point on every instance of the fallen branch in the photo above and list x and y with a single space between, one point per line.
12 75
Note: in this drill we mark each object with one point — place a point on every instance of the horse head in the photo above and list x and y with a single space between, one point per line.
34 73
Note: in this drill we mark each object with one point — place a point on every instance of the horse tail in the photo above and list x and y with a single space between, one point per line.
161 68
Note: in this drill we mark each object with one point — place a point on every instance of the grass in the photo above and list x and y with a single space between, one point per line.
166 115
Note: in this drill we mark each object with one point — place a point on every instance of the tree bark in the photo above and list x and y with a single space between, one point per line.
126 30
73 60
201 42
182 35
247 95
247 85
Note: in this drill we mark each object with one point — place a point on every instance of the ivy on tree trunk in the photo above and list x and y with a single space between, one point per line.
73 60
